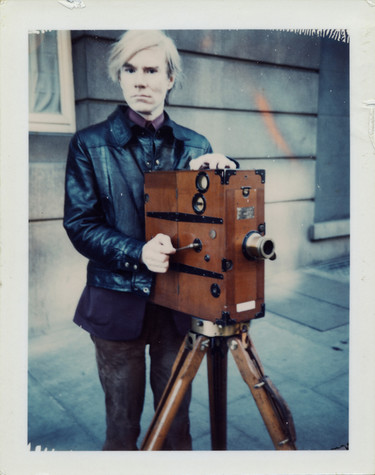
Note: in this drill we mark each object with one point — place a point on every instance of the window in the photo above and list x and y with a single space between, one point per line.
51 92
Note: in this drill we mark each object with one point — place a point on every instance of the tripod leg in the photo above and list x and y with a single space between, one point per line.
217 367
184 370
272 407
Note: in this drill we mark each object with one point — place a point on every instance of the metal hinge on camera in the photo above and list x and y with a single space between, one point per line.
225 175
262 174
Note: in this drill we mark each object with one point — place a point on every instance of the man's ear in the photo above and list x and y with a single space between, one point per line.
171 82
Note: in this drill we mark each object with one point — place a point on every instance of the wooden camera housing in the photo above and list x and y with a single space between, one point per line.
220 213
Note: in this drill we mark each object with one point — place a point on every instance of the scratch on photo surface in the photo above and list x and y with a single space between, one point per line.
38 448
72 3
338 35
371 122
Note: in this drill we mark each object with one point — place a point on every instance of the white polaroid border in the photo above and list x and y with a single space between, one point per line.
17 17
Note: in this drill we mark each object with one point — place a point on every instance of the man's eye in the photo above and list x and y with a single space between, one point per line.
152 70
127 69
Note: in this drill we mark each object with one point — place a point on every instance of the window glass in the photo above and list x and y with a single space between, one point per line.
44 80
51 93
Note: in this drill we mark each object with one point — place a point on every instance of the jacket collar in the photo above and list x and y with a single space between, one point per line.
121 126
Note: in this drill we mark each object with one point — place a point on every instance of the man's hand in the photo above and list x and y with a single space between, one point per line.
156 252
212 161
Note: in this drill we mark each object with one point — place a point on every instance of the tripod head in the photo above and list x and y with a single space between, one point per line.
215 219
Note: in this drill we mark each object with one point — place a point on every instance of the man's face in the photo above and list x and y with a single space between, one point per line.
144 82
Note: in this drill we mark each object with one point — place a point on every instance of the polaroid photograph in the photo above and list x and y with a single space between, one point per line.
186 194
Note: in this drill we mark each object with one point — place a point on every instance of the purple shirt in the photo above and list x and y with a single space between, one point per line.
142 122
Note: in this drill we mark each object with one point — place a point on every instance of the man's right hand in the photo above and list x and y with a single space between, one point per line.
156 252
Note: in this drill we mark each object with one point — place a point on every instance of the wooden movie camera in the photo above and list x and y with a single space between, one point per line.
215 219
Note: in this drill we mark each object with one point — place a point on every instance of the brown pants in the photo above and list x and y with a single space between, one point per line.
122 373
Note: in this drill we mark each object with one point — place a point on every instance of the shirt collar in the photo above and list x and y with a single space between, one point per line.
142 122
120 126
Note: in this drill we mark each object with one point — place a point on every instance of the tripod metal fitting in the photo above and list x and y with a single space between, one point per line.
210 329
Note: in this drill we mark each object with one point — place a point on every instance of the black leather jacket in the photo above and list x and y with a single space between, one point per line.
104 198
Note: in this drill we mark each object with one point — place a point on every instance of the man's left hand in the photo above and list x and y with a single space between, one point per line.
212 161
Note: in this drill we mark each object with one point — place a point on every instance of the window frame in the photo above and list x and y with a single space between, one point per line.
63 122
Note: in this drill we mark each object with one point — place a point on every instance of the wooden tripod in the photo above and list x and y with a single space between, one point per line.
206 338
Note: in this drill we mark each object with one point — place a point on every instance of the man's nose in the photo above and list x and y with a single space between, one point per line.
140 79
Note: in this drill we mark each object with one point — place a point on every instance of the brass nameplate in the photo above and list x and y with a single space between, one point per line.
245 213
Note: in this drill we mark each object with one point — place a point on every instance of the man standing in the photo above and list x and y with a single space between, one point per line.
104 218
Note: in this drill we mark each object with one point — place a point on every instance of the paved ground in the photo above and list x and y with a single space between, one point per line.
303 343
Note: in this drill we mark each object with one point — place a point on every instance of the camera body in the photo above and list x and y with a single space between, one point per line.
220 215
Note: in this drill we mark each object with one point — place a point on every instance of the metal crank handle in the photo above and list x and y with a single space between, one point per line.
189 246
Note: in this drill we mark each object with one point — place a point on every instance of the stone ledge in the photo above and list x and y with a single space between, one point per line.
329 229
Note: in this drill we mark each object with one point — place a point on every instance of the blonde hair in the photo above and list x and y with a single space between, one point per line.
134 41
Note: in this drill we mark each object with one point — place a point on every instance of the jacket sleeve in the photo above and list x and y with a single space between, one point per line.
84 218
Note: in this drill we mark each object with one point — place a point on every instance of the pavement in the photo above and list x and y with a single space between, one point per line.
303 344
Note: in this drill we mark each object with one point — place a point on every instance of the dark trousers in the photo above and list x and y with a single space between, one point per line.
122 373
